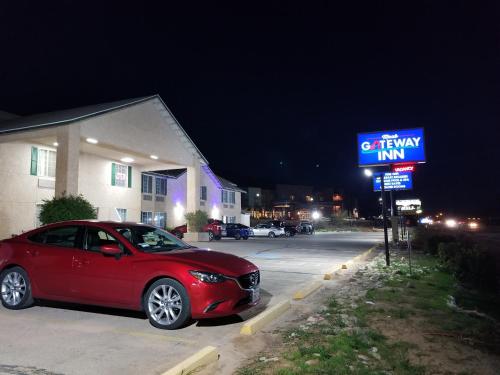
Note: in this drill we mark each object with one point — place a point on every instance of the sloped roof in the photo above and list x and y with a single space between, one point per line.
65 116
4 116
228 185
172 173
68 116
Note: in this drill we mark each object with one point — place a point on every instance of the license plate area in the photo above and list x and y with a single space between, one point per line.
255 294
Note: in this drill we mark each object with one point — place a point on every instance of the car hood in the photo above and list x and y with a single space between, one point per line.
214 261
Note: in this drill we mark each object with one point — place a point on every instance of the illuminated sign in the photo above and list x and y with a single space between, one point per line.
390 147
403 167
393 181
409 206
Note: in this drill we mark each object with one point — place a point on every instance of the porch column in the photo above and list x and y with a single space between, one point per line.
193 186
67 161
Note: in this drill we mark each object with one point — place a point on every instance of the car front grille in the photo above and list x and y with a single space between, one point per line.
250 280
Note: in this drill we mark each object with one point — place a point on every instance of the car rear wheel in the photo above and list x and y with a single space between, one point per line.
237 236
167 304
271 235
210 235
245 238
15 289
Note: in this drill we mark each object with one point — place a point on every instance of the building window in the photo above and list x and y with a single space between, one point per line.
203 193
43 162
161 186
147 217
229 219
160 220
228 197
121 175
122 214
147 184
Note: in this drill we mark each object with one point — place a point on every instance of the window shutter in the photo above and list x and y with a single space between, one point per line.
129 176
34 161
113 174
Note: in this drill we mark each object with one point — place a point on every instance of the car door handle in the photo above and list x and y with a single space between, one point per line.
33 253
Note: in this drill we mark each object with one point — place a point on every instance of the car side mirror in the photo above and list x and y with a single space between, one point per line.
111 250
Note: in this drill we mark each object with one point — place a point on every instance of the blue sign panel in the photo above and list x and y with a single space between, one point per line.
389 147
393 181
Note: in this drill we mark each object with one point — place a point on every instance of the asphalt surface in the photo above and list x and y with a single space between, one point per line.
55 338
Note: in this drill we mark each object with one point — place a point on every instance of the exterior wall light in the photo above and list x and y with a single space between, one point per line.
179 211
92 141
154 157
127 160
55 144
315 215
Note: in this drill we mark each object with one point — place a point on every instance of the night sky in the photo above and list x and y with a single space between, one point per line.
255 86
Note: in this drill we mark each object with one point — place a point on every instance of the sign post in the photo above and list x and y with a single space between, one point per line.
384 218
401 149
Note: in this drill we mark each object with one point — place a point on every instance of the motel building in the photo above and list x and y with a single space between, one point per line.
131 159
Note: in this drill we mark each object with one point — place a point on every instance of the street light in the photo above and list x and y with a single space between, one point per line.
368 172
315 215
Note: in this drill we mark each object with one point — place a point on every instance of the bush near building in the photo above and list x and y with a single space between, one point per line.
66 207
196 220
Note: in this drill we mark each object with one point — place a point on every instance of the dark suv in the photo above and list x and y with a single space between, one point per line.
306 227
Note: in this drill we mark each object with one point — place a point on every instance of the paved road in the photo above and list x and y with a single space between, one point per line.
66 339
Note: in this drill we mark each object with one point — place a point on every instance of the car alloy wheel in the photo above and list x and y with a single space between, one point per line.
210 236
272 235
237 236
15 289
167 304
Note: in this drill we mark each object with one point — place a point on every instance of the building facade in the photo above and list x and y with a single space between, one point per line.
107 153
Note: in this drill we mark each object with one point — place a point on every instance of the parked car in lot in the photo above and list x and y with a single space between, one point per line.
125 265
306 227
290 228
236 231
213 227
268 230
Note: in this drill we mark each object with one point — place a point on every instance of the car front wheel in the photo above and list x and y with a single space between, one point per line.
271 235
167 304
210 236
16 289
237 236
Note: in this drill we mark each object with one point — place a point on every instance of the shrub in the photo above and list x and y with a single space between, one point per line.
66 207
429 239
196 220
469 263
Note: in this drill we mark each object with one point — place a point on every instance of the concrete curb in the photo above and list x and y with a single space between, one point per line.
330 275
265 317
307 290
202 358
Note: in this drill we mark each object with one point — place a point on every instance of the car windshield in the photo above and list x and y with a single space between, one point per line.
151 240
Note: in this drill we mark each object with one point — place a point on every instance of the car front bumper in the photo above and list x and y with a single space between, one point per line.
221 299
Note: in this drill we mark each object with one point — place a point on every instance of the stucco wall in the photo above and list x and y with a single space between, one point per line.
20 192
95 185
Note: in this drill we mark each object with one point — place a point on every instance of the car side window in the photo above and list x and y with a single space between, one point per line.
97 237
61 236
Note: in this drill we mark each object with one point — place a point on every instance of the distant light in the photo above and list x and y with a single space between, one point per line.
419 211
257 195
317 165
426 220
315 215
55 144
450 223
92 140
127 160
473 225
154 157
368 172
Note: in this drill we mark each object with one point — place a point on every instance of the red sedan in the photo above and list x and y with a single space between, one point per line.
125 265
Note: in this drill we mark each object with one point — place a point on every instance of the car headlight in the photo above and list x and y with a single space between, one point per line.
208 277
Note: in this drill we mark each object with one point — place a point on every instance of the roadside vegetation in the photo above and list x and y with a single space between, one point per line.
388 320
66 207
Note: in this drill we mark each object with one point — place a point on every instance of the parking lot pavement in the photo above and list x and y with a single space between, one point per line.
55 338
